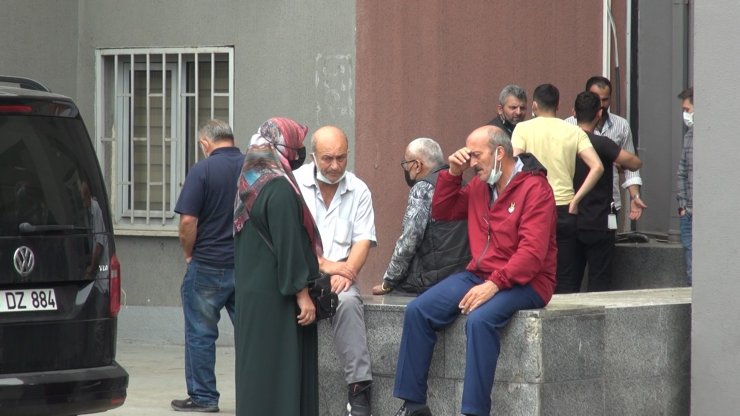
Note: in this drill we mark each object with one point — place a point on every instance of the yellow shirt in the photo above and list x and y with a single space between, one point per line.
556 144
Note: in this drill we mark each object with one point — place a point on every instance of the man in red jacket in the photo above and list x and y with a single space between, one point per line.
511 216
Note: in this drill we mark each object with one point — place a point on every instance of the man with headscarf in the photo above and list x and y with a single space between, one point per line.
341 205
427 250
276 250
205 206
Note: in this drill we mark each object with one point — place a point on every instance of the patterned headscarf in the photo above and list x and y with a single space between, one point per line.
276 142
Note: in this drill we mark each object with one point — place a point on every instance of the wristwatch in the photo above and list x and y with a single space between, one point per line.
636 196
385 288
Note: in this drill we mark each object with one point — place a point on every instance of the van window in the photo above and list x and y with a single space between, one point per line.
47 176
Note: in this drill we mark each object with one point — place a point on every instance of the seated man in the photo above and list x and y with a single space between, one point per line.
511 216
427 250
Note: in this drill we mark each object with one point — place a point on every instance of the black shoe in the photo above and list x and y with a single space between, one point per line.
424 411
359 398
188 405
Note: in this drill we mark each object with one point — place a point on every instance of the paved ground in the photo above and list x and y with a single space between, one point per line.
156 376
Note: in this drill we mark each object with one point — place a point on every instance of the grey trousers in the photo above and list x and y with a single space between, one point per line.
350 336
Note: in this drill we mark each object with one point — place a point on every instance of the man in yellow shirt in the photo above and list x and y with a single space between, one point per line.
557 144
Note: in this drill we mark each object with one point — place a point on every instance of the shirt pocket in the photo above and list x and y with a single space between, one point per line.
343 232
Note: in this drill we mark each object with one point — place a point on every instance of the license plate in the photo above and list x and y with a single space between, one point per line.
27 300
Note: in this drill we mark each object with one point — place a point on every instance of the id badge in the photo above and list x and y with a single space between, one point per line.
611 222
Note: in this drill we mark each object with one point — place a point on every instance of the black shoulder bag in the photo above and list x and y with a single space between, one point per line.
319 289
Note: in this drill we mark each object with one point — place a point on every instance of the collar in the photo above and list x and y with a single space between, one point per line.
225 149
608 123
518 167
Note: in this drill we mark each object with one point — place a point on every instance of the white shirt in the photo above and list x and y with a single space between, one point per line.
618 130
348 219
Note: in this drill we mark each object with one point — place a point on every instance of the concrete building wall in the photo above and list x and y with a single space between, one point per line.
435 69
715 363
39 41
291 58
662 72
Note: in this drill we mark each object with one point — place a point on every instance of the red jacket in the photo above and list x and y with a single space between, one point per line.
512 241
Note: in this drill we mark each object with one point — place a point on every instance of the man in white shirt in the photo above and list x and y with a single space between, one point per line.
341 205
617 129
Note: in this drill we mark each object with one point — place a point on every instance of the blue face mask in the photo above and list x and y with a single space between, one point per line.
496 172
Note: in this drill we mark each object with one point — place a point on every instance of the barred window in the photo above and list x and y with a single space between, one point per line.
149 105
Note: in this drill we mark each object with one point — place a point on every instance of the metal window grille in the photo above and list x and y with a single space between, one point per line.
149 105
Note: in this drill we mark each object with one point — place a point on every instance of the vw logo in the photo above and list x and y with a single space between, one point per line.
23 260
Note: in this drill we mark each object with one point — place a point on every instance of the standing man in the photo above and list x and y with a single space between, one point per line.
206 207
618 130
685 176
512 108
596 223
508 198
341 205
427 250
557 144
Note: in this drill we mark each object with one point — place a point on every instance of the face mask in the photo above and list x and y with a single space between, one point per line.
688 119
406 175
320 176
496 172
295 164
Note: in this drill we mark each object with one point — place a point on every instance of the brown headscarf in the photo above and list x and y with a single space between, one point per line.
276 142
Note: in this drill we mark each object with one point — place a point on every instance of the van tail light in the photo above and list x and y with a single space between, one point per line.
115 286
15 109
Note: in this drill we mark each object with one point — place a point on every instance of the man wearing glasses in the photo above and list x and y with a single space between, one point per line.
341 205
427 251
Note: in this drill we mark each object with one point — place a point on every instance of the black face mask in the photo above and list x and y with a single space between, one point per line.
410 182
295 164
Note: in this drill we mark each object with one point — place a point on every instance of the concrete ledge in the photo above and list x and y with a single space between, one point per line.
650 265
613 353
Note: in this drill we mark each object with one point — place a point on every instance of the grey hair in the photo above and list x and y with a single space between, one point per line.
497 138
512 90
216 130
428 151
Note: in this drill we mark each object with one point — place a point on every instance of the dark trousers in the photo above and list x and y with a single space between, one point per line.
568 278
438 307
596 248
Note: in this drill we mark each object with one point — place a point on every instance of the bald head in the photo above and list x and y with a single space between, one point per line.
329 147
329 136
482 144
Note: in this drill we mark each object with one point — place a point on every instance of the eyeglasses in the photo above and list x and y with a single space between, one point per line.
406 162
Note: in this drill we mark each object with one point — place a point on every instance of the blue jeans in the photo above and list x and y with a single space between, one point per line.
686 221
435 309
205 291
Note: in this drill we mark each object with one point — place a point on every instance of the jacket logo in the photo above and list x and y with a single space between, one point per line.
24 260
512 207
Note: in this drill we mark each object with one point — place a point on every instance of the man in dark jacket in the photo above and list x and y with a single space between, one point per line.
511 216
512 108
427 250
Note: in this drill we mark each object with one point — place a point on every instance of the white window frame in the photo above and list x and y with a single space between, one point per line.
151 221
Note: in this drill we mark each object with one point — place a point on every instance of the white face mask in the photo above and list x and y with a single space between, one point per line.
496 172
320 176
688 119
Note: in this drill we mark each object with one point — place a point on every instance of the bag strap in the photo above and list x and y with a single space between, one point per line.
269 244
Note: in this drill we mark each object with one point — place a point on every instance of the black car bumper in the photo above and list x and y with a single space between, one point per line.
62 393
